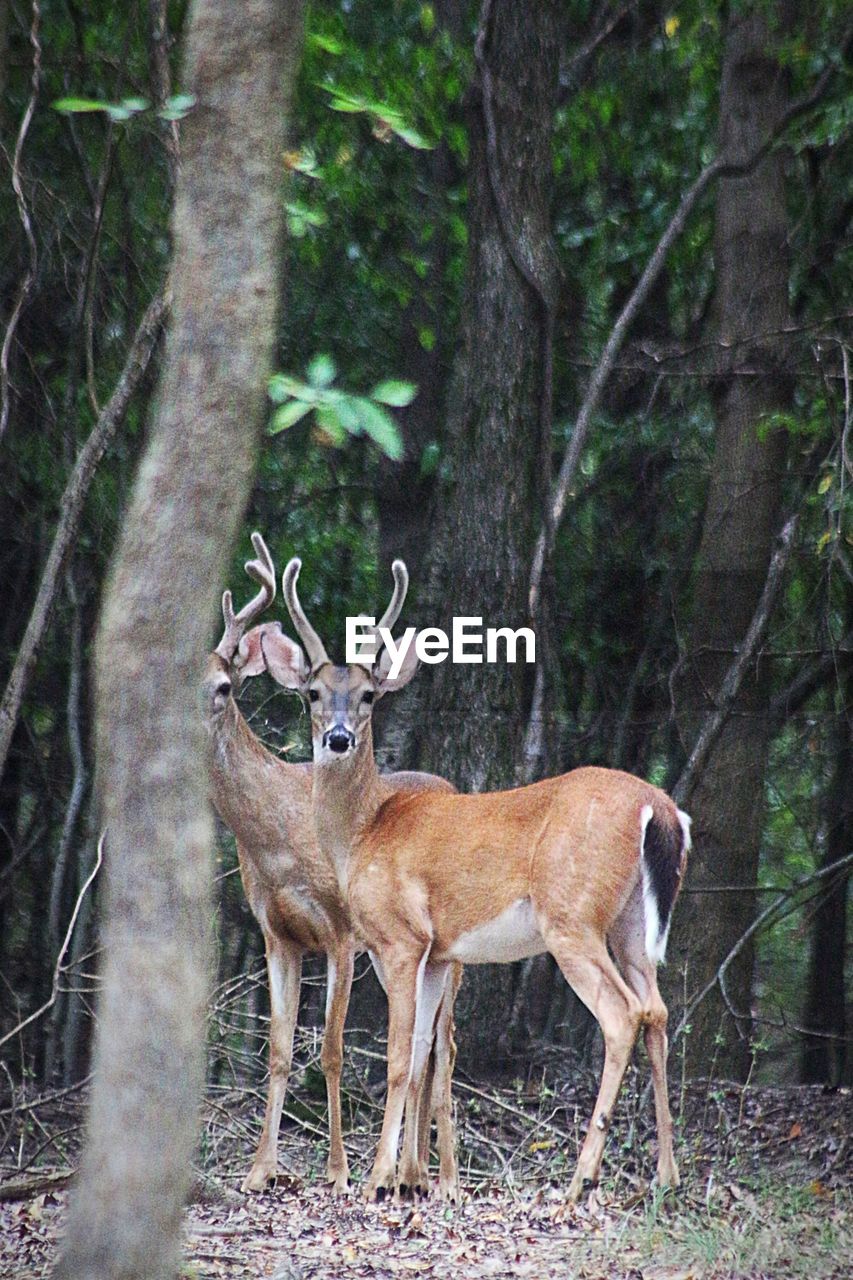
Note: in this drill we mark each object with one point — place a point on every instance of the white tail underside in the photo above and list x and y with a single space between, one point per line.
655 939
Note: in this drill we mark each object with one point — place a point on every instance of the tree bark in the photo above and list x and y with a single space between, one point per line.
826 1058
740 523
466 721
158 613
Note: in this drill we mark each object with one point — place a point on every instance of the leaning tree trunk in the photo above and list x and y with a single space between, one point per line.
190 492
467 721
741 518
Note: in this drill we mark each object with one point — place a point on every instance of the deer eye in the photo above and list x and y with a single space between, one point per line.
313 695
368 696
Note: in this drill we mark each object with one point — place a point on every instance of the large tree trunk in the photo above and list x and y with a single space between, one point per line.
741 519
467 721
158 613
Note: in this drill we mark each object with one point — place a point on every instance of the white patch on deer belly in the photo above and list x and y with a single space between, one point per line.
513 935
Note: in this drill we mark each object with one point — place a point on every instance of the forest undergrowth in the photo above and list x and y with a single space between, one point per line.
766 1180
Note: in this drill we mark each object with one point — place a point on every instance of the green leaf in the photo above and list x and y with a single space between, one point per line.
347 409
281 387
288 415
176 107
297 210
380 426
430 458
397 394
79 104
343 101
329 44
134 105
412 137
321 371
329 421
826 483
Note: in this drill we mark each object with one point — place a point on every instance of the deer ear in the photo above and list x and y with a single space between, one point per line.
386 683
249 659
283 658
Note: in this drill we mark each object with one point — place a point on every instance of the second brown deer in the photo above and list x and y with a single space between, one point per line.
294 894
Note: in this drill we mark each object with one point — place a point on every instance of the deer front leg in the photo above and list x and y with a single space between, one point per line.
284 971
339 985
413 1176
413 1169
402 974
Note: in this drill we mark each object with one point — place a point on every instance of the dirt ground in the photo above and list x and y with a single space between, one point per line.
766 1189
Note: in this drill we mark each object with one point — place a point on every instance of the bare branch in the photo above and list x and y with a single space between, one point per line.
24 215
59 967
719 167
161 79
719 977
736 672
607 27
70 511
808 680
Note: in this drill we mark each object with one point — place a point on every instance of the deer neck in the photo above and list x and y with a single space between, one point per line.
234 756
347 794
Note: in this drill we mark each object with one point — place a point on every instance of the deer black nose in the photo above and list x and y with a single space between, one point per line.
338 739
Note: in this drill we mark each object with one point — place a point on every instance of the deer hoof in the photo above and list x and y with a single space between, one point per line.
259 1177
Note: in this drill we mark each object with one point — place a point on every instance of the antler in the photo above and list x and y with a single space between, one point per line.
392 613
398 599
262 570
314 647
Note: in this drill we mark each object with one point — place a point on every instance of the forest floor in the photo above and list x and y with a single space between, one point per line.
766 1188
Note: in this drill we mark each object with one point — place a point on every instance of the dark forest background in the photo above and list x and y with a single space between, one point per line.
610 245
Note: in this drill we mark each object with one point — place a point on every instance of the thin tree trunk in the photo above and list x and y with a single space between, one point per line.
466 721
740 523
826 1058
59 878
71 509
190 491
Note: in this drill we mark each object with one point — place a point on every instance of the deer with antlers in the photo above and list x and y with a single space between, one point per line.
295 896
581 866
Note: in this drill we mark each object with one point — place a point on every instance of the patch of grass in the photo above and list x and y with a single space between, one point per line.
773 1230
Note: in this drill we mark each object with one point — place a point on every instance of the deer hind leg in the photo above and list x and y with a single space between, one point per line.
413 1177
589 971
442 1101
627 938
284 970
339 985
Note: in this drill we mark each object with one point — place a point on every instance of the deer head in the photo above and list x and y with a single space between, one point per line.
340 699
238 654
